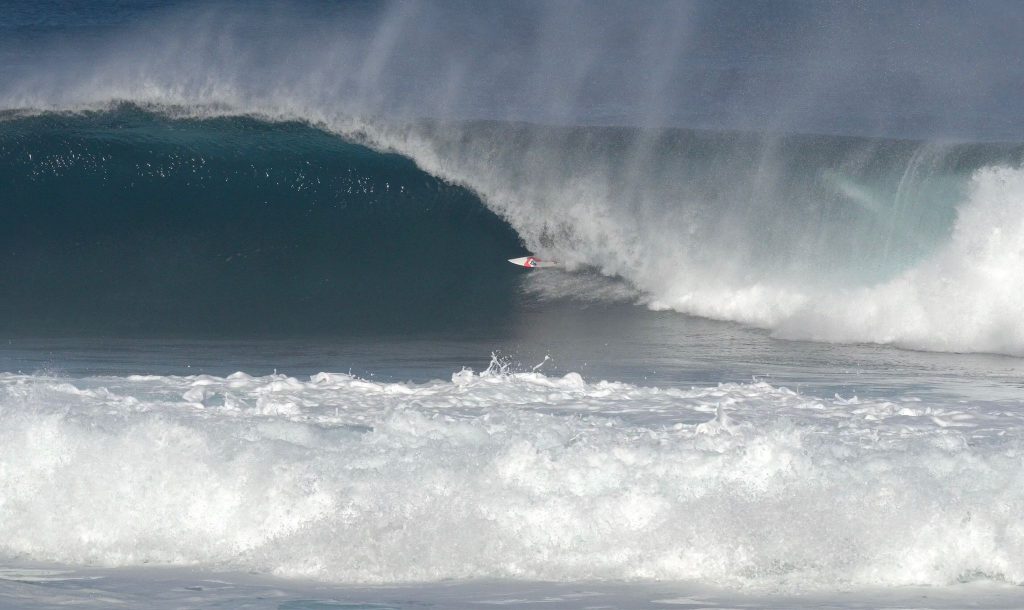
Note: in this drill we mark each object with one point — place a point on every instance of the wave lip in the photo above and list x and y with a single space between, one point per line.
498 475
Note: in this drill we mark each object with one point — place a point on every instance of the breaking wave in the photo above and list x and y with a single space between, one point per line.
915 243
824 238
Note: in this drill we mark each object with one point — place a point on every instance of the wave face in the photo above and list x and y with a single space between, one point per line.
126 222
519 476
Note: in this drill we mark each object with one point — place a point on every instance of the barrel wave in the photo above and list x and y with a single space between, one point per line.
219 221
358 157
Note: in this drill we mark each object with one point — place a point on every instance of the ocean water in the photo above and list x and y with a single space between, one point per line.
260 346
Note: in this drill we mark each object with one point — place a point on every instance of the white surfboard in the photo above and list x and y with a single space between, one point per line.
531 262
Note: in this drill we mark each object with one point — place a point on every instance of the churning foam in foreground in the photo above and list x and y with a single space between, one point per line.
497 475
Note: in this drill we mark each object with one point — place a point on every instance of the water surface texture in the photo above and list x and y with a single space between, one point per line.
260 345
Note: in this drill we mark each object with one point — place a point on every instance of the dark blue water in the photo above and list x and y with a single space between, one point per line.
126 224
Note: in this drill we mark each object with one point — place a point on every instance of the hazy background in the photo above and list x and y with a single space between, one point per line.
911 68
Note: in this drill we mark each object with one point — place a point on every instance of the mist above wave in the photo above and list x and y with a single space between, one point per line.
874 68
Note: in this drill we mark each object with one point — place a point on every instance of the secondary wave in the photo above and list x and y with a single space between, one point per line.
498 475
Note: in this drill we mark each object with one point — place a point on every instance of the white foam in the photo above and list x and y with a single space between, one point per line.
968 296
518 476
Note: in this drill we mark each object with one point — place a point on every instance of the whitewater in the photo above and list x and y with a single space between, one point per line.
260 347
509 475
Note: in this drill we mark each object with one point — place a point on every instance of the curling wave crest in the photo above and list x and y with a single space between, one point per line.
917 245
840 237
508 475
